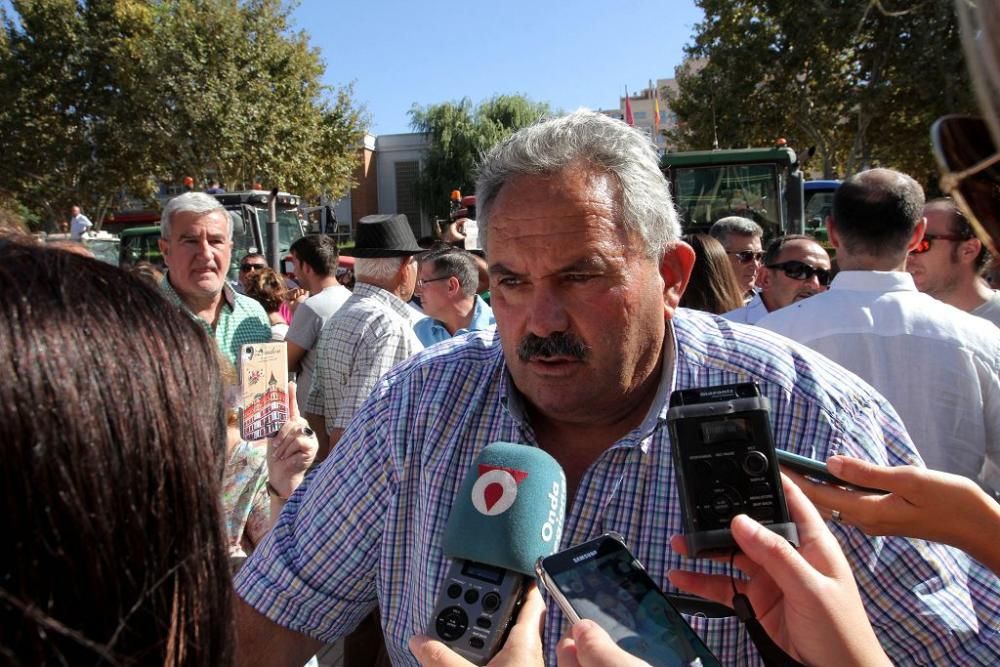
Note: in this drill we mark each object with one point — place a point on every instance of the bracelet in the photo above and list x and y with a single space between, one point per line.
271 491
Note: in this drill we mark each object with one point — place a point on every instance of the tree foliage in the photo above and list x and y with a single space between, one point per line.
860 80
105 97
460 134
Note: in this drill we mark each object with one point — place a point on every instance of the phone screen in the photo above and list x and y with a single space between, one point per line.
603 582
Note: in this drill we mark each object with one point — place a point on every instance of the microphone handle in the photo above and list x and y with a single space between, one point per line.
476 606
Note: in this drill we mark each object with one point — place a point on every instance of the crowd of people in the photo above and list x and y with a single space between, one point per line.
137 510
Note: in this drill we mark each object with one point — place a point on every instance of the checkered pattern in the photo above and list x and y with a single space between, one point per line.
366 529
368 335
242 321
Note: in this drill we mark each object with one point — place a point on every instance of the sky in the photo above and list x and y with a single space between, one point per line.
569 53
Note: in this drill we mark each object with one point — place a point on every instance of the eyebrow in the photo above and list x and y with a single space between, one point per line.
580 265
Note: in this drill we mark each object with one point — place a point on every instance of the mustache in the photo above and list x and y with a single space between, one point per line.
555 345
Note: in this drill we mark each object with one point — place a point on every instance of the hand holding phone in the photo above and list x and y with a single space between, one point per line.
806 599
264 386
602 581
817 470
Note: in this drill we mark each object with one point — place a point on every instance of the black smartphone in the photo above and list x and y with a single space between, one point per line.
602 581
817 470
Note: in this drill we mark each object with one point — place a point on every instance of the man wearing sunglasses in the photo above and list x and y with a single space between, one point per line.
741 239
795 267
251 263
938 366
949 262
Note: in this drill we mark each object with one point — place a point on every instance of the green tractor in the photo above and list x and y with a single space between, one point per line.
763 184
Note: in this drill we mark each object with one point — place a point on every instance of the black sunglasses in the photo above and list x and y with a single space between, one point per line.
970 172
801 271
745 256
244 268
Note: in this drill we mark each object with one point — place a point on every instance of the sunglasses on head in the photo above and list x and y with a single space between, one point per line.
245 268
745 256
925 243
801 271
970 173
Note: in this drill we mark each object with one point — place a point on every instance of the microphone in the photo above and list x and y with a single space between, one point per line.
508 513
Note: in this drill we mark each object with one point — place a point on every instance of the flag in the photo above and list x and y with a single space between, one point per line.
656 115
628 109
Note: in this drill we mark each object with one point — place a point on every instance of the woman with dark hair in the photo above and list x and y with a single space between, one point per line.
268 288
713 286
112 452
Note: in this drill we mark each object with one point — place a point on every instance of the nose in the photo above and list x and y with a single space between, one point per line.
547 311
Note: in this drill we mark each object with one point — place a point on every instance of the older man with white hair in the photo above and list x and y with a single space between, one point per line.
196 241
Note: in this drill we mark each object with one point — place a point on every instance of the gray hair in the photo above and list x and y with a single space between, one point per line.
607 145
734 224
191 202
378 270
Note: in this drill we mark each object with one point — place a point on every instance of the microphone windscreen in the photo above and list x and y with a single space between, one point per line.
509 510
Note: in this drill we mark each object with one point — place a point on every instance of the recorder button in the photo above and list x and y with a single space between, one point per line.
702 469
755 463
454 591
476 642
471 596
722 506
451 623
760 489
491 602
484 622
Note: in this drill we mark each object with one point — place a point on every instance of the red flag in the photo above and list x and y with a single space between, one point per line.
628 110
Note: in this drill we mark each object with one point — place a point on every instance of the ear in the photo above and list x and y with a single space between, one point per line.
675 269
918 234
969 250
763 280
831 232
164 248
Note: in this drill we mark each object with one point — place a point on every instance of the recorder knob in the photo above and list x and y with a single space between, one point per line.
755 463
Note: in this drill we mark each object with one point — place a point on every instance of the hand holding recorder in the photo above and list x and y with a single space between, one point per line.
920 503
806 600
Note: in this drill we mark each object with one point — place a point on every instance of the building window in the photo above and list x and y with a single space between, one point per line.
406 193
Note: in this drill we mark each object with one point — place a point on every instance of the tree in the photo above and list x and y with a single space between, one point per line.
459 135
105 97
861 81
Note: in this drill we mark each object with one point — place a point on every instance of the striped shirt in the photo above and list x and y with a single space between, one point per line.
242 321
366 529
368 335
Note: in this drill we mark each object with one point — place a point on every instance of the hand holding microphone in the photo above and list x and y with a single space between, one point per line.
508 513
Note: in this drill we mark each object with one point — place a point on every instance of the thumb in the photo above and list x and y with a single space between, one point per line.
432 653
865 473
595 648
772 552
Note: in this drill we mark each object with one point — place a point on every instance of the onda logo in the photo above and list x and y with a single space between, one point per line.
496 489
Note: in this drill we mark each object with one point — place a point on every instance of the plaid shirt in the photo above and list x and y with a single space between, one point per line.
366 529
242 321
368 335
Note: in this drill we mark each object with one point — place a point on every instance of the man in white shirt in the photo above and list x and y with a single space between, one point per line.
78 224
937 365
949 263
795 268
315 258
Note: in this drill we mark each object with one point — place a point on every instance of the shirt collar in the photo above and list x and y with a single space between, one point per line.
390 300
874 281
228 293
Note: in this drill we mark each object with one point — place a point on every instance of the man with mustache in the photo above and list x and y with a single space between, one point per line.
586 271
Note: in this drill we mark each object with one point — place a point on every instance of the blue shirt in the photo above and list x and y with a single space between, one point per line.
366 529
431 331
